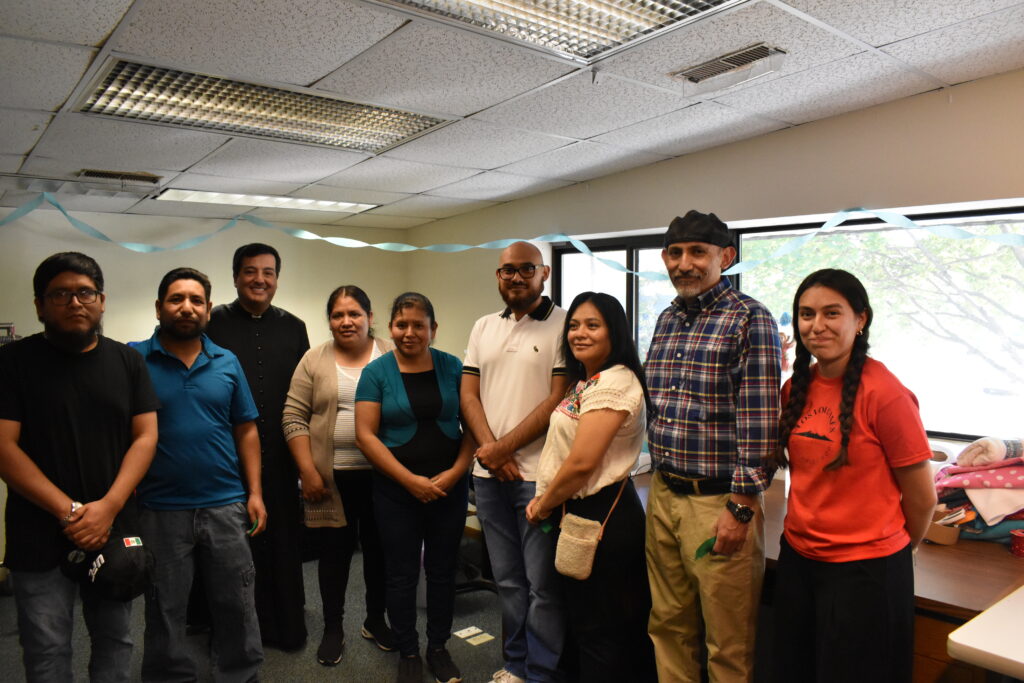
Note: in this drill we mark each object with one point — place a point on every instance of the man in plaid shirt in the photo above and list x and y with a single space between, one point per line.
713 374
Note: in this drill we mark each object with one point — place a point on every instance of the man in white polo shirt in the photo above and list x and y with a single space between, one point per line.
512 378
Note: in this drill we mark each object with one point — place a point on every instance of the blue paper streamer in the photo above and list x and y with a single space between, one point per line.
788 247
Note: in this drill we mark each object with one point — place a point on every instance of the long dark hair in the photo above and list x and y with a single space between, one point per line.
623 351
851 289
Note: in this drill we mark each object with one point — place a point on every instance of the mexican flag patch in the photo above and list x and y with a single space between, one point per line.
130 541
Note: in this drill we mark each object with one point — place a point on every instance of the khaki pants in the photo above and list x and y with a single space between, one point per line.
725 591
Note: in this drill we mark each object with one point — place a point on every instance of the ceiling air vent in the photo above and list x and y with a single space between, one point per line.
726 63
119 176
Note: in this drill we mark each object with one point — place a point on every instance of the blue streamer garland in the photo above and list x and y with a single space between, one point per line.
788 247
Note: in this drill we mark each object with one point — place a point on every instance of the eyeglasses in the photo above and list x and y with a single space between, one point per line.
62 297
526 271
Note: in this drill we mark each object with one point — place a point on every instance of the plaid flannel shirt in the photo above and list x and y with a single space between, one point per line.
713 374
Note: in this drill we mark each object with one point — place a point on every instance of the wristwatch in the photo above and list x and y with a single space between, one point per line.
67 520
742 513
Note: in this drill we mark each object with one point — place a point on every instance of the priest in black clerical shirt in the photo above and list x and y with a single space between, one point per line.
269 342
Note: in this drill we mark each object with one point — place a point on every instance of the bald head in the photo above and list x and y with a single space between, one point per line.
521 277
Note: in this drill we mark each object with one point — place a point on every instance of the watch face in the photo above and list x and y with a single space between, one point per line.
741 512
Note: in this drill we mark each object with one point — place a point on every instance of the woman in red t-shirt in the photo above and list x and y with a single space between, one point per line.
860 501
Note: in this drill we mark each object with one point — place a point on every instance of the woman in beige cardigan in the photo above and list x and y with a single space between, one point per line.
319 426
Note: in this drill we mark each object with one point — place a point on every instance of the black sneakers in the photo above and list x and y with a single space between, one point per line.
441 665
410 669
332 645
376 629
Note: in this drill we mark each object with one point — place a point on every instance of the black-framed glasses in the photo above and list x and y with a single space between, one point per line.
62 297
526 271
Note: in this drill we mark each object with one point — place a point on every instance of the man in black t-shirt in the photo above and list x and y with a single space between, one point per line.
78 430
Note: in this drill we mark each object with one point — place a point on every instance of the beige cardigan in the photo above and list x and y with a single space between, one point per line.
311 409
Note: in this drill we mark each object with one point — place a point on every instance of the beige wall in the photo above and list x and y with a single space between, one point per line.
961 144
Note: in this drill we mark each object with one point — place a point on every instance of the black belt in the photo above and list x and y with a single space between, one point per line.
694 486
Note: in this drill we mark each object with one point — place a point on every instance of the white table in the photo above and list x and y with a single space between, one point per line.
995 638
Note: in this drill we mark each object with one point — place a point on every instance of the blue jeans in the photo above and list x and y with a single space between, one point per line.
215 540
46 602
523 562
407 526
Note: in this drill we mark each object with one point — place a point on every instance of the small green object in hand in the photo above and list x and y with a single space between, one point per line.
705 547
546 526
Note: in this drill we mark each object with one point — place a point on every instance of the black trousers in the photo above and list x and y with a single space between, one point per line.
843 621
608 612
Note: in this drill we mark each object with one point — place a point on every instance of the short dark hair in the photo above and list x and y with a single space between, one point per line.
353 292
248 251
413 300
183 274
73 261
623 351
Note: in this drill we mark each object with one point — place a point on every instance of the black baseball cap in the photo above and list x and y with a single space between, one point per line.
698 227
121 570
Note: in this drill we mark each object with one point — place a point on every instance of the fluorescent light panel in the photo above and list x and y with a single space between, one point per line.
160 95
581 28
263 200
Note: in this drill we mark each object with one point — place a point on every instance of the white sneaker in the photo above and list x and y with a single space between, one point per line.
506 676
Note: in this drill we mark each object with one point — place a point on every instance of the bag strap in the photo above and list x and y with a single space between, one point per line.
600 534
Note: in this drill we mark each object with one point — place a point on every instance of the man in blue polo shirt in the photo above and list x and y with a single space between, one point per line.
202 494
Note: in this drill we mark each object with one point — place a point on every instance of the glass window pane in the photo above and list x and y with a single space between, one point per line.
582 273
653 296
948 319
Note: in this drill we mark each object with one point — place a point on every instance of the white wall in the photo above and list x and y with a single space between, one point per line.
962 144
309 270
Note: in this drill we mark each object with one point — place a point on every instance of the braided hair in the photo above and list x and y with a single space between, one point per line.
851 289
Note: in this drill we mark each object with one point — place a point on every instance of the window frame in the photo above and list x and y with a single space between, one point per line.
632 244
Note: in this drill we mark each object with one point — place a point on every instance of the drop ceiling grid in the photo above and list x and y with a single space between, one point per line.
282 162
690 130
475 144
426 206
10 163
81 141
395 175
497 185
980 47
82 22
365 220
428 67
299 41
213 183
21 130
856 82
880 22
584 106
154 207
806 45
582 161
336 194
38 75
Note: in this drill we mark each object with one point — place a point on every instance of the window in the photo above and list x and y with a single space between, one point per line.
948 313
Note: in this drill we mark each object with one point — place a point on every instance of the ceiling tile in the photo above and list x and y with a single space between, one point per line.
213 183
154 207
69 169
395 175
856 82
366 220
689 130
79 202
433 68
10 163
297 42
40 75
805 45
337 194
83 22
581 107
474 144
580 161
278 161
425 206
883 22
298 216
502 186
88 141
19 130
973 49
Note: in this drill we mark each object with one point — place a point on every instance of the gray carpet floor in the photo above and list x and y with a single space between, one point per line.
362 661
